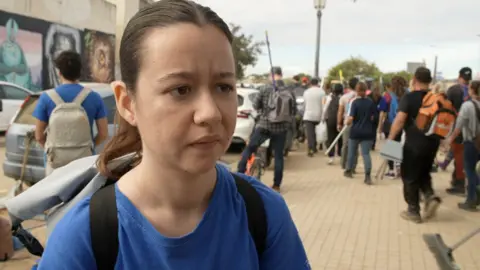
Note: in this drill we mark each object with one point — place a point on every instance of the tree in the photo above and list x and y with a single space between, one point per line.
354 66
387 77
245 50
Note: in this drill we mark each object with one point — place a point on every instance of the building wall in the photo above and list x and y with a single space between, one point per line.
34 32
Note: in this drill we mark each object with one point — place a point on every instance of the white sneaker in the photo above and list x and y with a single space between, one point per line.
330 161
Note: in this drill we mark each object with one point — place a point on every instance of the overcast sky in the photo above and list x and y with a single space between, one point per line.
388 32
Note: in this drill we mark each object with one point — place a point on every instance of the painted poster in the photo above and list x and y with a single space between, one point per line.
21 55
98 57
59 38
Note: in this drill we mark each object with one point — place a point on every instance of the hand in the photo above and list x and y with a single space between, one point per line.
339 128
380 135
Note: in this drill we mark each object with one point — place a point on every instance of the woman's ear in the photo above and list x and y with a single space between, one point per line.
125 102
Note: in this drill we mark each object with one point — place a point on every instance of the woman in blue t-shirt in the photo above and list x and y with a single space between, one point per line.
177 108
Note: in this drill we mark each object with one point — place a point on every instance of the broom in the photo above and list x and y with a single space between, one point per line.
442 252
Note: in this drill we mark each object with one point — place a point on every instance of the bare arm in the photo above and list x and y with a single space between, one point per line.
349 120
341 110
40 135
102 127
383 116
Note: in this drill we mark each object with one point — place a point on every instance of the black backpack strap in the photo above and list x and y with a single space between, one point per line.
257 218
104 227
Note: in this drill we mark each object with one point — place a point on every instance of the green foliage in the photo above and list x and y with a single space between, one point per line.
387 77
354 66
245 50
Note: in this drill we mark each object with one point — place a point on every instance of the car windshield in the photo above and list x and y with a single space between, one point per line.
25 115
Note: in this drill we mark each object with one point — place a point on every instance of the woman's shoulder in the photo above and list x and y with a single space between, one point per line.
276 208
69 245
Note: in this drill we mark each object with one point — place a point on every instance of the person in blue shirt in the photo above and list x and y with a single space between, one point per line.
362 131
69 65
177 107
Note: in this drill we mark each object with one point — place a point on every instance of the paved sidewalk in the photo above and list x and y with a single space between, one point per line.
347 225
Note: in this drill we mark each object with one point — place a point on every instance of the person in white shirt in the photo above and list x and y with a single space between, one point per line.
312 116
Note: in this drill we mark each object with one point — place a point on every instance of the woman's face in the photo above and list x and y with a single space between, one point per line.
185 104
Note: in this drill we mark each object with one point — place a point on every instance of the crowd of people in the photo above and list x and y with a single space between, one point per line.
176 111
360 112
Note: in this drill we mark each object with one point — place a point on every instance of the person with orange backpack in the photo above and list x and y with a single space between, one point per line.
426 119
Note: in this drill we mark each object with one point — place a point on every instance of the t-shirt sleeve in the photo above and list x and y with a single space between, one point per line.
60 253
403 105
353 109
101 109
284 248
464 115
383 106
41 110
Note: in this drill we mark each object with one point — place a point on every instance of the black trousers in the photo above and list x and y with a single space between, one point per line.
332 133
415 170
311 135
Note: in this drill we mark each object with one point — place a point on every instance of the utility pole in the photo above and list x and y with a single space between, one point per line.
435 69
319 6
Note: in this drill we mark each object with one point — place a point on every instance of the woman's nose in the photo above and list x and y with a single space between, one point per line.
207 110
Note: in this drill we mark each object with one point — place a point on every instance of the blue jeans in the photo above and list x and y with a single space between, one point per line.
365 148
470 154
277 143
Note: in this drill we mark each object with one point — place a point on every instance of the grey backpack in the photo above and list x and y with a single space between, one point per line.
69 131
280 104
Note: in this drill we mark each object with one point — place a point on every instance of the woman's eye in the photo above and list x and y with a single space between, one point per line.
226 88
181 91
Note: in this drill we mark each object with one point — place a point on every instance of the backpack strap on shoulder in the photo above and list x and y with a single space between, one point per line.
104 227
55 97
257 218
82 95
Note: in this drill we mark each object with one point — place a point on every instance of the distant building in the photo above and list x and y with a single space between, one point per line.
412 66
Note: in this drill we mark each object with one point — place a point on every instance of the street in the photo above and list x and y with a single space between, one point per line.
346 225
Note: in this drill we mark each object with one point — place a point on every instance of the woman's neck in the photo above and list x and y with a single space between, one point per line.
151 185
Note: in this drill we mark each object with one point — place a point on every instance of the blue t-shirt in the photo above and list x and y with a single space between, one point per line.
220 241
382 105
93 103
363 111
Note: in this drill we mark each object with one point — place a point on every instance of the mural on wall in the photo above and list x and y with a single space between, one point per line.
98 56
59 38
20 56
28 47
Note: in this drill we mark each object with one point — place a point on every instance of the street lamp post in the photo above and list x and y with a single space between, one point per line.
319 6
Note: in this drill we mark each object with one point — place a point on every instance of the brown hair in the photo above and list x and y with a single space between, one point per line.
362 87
399 84
160 14
376 92
475 86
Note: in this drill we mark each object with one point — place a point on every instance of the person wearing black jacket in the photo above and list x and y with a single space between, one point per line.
419 151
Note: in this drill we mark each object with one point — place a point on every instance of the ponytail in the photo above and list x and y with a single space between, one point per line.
125 140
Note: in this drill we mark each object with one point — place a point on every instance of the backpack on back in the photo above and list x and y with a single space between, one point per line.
332 110
68 131
476 139
393 107
60 191
436 116
280 104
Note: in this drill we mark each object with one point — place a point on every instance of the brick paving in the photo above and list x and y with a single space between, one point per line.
347 225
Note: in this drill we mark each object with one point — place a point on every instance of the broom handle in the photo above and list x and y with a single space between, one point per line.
465 239
336 140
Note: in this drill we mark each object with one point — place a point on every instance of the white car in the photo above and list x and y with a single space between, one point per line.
12 97
245 115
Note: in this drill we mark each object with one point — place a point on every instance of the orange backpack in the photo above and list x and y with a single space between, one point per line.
436 116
